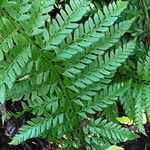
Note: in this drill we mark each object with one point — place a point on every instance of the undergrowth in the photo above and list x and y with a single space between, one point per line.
70 63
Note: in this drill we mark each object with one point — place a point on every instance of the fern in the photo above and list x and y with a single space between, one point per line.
111 131
34 127
140 93
13 70
62 67
103 99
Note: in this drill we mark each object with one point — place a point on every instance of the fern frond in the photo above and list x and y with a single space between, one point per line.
147 100
138 111
23 11
91 32
10 38
113 132
91 59
40 15
27 85
104 98
62 68
13 70
36 127
134 105
144 67
106 66
97 143
65 23
128 103
39 105
137 101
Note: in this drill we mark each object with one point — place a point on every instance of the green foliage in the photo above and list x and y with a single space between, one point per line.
139 93
63 62
36 127
109 130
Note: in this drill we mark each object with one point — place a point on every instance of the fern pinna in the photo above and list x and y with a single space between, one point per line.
61 66
139 93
